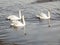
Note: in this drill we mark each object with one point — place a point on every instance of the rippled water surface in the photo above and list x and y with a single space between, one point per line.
38 32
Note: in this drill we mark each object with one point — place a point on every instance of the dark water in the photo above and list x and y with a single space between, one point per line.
38 32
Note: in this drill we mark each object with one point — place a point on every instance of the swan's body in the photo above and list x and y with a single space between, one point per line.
18 23
13 17
44 16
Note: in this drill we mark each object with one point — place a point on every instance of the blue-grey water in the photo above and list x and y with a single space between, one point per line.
38 32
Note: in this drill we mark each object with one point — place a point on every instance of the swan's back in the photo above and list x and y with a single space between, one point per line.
17 23
43 14
12 17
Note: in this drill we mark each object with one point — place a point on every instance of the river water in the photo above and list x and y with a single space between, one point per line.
37 31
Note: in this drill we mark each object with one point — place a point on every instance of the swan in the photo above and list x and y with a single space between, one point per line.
44 16
17 23
13 17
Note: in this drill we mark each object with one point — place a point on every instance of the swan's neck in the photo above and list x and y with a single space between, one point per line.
23 21
19 14
48 13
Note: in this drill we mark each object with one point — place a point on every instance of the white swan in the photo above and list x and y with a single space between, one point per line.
44 16
17 23
13 17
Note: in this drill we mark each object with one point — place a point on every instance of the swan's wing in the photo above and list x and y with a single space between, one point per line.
12 17
43 15
17 22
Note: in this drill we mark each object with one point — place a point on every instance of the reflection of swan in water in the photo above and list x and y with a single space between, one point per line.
13 17
44 16
17 23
